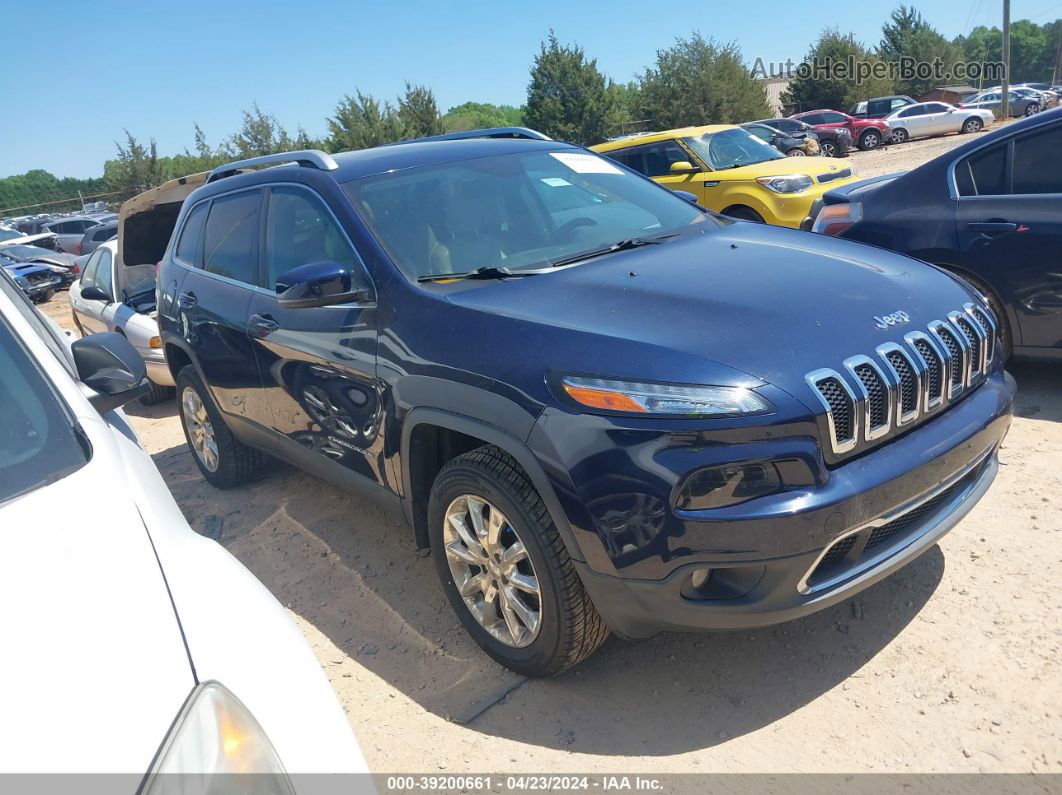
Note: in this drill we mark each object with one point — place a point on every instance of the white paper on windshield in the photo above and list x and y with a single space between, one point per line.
586 164
556 182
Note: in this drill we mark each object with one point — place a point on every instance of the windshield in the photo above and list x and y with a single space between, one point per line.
26 252
9 234
513 211
732 149
38 444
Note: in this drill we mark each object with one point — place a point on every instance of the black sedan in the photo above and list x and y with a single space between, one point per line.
797 144
833 141
989 211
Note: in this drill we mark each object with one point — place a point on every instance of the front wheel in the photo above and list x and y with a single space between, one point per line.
827 149
223 460
871 139
796 153
744 214
972 125
157 394
899 135
505 569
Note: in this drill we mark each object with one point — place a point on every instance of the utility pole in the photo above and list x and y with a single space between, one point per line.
1056 75
1005 85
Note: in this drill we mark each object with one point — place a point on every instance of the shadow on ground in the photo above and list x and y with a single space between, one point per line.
352 572
1039 388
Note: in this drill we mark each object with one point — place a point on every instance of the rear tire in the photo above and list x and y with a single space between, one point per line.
1032 109
157 394
234 463
568 628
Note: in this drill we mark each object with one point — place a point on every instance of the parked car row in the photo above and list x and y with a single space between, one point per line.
70 233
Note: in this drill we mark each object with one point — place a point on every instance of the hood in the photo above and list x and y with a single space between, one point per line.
27 269
28 239
95 668
767 301
812 166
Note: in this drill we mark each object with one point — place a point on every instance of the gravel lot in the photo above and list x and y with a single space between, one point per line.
951 665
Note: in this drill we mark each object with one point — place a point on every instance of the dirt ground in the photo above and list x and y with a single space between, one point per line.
952 665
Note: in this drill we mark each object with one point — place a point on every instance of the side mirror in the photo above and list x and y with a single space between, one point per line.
319 284
685 194
91 292
111 367
683 167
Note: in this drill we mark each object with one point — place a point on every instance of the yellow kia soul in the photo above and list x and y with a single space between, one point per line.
731 171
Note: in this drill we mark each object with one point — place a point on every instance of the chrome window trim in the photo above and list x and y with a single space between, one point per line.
930 404
850 364
813 378
901 418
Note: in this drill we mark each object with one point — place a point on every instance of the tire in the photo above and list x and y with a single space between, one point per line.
1032 109
796 152
157 394
827 149
1006 339
236 463
744 214
568 628
900 135
871 139
972 125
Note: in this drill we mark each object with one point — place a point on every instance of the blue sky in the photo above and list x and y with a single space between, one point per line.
92 69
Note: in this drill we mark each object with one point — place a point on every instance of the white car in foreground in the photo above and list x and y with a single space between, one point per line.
926 119
131 644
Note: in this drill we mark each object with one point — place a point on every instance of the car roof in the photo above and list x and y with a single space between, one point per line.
663 135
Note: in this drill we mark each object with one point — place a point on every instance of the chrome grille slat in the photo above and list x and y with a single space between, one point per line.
871 397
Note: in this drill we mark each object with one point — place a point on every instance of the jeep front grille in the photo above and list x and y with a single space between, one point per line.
873 397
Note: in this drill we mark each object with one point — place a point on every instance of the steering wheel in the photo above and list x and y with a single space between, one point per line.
568 229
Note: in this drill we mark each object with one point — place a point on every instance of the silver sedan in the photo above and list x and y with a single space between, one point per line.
927 119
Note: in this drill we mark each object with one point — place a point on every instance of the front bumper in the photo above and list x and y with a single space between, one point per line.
40 289
158 370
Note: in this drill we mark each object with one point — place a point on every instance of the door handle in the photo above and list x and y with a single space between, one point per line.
187 300
991 228
263 325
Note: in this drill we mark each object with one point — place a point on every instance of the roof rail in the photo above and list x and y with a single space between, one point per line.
307 158
489 132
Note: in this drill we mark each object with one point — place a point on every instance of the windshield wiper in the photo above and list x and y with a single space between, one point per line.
485 272
623 245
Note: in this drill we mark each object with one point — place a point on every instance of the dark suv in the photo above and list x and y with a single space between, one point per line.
600 406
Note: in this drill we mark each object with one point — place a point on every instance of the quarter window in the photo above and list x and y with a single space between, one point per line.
188 244
300 230
230 239
983 174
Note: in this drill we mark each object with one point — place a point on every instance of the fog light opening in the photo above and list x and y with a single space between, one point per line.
696 583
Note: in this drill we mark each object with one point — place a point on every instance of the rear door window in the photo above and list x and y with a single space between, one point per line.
1038 162
230 239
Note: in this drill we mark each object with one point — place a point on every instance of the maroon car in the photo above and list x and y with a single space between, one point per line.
867 133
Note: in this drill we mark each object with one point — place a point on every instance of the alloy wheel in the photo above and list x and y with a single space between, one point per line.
200 430
492 570
827 150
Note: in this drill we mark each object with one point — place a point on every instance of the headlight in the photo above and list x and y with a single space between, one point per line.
214 737
634 397
790 183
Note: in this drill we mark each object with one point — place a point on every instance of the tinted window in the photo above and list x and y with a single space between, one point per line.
103 235
786 125
937 107
812 118
104 272
1038 162
763 133
188 245
628 157
983 174
230 240
917 110
300 230
37 440
659 157
833 118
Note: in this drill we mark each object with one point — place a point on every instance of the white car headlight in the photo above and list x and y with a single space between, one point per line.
633 397
788 183
214 738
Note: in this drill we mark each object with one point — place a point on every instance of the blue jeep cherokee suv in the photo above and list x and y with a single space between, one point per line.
601 407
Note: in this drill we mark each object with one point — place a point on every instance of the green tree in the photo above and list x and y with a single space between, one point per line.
816 87
259 134
699 81
136 167
481 115
907 36
360 122
40 191
568 98
418 113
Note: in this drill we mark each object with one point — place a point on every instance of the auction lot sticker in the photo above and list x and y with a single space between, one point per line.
582 163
